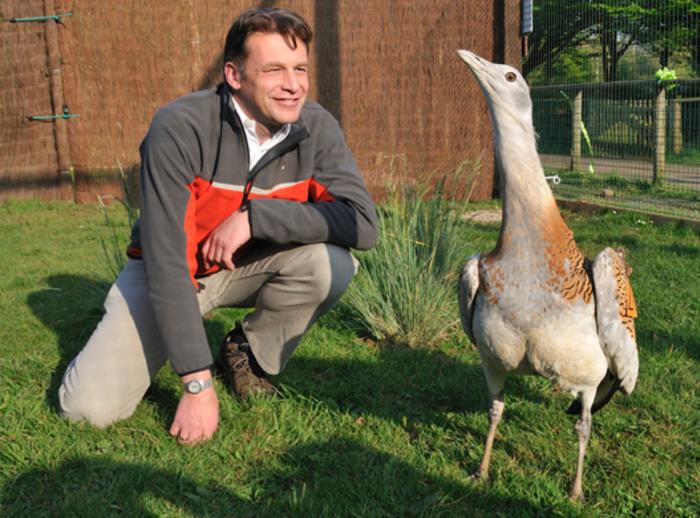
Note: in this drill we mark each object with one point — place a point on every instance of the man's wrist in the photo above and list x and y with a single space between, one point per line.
204 374
197 382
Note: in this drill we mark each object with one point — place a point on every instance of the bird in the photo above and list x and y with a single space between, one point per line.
535 304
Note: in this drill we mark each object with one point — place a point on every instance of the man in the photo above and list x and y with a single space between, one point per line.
249 197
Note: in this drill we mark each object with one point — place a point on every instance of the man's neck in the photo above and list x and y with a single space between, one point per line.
262 131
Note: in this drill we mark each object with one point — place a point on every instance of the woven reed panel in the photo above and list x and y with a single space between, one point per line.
405 98
124 60
28 164
387 69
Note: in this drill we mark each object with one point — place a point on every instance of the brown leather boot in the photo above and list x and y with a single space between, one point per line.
239 367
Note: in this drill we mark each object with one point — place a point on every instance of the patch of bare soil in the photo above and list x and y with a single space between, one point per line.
483 216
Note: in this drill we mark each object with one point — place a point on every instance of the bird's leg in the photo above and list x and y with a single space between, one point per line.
495 413
583 430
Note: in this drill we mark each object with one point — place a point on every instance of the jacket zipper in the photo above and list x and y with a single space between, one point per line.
298 134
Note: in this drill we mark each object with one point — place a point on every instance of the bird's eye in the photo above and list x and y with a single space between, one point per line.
510 77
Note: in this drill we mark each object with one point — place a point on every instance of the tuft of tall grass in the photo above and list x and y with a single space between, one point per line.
404 293
114 246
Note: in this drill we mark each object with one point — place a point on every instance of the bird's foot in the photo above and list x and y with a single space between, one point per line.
478 477
576 495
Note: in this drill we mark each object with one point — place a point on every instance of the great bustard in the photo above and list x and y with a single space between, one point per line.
535 304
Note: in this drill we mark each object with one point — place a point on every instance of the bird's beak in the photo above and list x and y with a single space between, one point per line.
478 66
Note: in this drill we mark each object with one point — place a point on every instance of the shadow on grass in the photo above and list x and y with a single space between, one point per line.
340 477
72 306
403 385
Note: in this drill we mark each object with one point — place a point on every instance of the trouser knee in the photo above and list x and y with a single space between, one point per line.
110 375
89 394
328 269
310 281
83 406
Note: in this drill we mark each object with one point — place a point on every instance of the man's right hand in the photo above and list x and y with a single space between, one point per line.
231 234
197 415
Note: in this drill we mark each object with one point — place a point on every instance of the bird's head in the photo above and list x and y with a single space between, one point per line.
507 93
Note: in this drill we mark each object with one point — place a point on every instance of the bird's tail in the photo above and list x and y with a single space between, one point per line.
604 393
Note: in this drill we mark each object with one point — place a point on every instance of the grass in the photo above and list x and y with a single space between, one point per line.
414 306
688 156
628 193
362 430
113 244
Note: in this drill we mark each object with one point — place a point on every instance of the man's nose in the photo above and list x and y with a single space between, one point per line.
290 80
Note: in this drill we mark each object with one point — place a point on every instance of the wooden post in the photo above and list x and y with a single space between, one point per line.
60 126
576 118
660 137
677 127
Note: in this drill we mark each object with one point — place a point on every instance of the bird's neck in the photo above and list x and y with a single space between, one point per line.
530 214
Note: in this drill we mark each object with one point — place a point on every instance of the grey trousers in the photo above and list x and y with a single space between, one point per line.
289 287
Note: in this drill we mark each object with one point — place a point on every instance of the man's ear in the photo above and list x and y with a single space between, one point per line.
232 73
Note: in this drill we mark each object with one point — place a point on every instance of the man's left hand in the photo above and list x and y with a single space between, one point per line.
231 234
197 415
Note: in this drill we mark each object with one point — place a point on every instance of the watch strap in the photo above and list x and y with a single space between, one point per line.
203 384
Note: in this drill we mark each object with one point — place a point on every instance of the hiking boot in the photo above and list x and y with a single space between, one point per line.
240 368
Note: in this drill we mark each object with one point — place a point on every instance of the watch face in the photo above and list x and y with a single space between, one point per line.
194 387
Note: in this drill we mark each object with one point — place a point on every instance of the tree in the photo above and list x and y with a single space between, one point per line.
665 26
557 27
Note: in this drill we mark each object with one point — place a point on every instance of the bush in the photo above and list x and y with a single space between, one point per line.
114 245
404 293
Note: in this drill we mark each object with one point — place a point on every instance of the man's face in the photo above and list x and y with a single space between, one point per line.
273 83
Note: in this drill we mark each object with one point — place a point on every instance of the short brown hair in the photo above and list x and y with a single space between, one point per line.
265 19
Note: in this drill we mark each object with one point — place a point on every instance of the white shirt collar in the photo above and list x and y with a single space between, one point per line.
255 148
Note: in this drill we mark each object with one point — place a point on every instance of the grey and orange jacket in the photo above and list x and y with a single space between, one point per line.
195 173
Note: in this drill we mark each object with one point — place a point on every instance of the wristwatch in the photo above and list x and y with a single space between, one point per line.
196 386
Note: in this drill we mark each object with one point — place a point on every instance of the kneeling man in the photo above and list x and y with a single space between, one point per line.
250 197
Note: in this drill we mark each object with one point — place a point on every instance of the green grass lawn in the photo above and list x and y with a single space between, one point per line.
361 430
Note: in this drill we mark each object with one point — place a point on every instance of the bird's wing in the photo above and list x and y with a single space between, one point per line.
615 314
468 286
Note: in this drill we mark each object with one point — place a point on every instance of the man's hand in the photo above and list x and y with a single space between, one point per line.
197 415
225 239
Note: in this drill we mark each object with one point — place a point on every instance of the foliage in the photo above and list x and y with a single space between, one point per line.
666 27
665 74
641 62
573 65
404 292
114 245
361 430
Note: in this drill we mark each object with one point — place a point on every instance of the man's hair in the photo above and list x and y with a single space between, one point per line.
288 24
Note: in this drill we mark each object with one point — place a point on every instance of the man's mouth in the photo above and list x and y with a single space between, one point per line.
287 102
290 101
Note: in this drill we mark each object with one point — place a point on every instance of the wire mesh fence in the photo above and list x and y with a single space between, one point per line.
617 104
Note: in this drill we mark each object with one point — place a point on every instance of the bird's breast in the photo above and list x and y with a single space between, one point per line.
529 289
529 331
